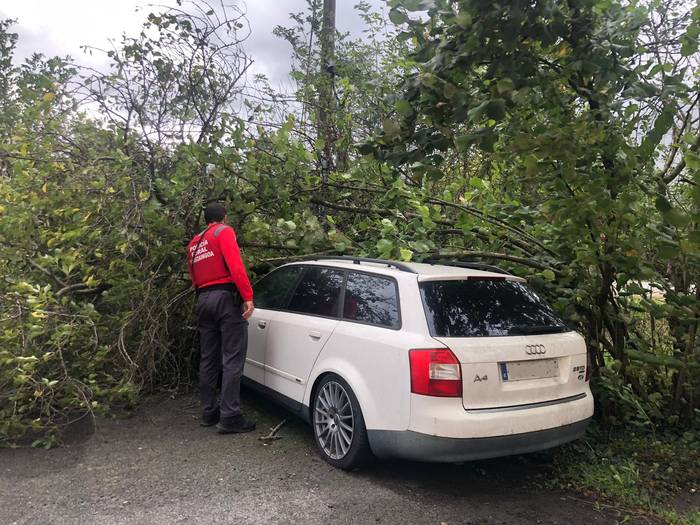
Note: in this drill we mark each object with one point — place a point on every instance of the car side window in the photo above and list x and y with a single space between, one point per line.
272 291
371 299
318 292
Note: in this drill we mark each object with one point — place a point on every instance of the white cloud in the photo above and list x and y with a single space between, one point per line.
61 27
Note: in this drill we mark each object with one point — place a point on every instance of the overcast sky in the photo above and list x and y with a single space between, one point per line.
61 27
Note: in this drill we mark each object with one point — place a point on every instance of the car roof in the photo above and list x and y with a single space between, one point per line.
423 271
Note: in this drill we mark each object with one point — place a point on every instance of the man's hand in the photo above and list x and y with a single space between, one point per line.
248 309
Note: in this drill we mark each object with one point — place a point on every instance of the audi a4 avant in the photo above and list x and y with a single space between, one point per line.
428 362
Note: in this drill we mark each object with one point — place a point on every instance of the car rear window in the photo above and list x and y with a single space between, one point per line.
371 299
486 307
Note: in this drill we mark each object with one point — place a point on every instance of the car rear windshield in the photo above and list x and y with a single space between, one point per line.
486 307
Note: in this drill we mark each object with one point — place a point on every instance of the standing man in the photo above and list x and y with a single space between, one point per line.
224 304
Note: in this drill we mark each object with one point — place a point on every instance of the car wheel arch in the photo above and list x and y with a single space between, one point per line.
351 376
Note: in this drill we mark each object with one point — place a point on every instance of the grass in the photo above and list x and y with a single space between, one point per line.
658 476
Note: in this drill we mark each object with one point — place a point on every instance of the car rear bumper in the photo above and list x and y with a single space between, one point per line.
424 447
446 417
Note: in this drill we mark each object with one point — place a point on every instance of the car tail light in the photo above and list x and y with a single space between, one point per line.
435 372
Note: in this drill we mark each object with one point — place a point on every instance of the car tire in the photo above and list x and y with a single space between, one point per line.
338 425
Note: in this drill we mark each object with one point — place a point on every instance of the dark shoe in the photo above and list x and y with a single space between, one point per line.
209 420
235 425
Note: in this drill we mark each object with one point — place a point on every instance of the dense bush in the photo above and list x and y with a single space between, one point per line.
89 264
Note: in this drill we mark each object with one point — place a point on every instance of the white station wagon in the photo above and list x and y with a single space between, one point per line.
417 361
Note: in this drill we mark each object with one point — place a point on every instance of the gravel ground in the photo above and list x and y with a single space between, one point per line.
159 466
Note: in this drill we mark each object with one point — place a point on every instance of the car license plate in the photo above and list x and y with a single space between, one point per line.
532 369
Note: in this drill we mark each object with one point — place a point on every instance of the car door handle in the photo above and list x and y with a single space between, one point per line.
315 335
262 324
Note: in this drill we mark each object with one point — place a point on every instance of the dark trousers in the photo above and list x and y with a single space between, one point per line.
223 335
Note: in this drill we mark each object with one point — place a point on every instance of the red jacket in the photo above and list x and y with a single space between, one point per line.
218 260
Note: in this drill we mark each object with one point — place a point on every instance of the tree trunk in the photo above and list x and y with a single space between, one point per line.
326 98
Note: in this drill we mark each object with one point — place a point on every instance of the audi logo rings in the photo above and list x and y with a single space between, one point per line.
535 350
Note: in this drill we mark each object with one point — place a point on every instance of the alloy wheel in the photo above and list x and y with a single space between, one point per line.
333 420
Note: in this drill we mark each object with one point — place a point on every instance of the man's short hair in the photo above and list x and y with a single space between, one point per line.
214 212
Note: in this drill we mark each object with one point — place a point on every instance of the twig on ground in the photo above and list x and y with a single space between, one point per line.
272 436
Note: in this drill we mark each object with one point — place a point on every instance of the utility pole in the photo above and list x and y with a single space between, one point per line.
326 95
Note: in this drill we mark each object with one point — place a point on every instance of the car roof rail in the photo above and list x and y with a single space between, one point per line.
358 260
468 264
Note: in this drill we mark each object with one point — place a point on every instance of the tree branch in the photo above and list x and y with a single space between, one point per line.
499 256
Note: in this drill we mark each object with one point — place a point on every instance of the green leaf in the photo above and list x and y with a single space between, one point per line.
689 45
420 246
464 19
476 182
464 141
505 85
403 107
496 108
667 251
476 113
548 275
397 16
662 204
676 217
692 160
434 173
391 128
289 225
487 142
531 162
661 126
405 254
384 247
387 226
365 148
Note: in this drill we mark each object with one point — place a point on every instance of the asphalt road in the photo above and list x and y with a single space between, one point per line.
159 466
